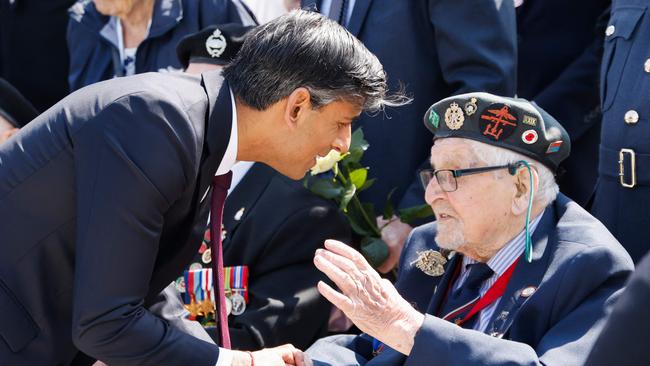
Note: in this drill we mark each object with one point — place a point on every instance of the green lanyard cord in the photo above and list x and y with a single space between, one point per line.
529 242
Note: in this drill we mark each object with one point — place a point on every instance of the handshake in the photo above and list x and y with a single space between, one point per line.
277 356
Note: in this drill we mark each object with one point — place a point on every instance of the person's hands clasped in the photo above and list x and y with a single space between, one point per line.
372 303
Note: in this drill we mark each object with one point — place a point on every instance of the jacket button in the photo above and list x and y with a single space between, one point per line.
646 66
610 30
631 117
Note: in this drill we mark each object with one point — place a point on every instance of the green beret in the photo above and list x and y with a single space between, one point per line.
511 123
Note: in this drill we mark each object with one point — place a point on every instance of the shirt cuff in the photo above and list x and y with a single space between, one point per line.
225 357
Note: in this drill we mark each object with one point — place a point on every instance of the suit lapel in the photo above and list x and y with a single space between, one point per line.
244 197
443 284
526 276
359 14
217 131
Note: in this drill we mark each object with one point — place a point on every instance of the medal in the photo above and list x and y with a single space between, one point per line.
471 107
228 306
430 262
238 304
206 257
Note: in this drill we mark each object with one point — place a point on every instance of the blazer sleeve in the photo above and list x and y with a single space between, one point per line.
476 44
225 11
578 314
131 162
286 306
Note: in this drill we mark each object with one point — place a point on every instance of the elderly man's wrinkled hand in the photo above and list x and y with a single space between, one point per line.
372 303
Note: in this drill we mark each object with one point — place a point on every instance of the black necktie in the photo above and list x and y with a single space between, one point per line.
220 185
463 298
337 11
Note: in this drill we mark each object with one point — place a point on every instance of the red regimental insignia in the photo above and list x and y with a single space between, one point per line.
498 121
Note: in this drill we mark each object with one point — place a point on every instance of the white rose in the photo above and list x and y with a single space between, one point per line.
325 163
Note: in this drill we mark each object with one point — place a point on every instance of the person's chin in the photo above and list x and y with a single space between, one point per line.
450 239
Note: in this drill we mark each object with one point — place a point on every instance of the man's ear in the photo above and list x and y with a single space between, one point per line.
521 194
298 103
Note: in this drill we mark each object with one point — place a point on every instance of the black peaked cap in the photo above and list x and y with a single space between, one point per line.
217 44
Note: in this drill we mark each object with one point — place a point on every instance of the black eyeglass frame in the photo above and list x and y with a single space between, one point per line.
512 169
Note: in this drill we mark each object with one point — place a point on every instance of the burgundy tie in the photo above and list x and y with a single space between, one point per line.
220 185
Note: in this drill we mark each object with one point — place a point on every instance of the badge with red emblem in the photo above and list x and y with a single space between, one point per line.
529 137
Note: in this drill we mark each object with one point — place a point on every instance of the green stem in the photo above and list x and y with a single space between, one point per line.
355 199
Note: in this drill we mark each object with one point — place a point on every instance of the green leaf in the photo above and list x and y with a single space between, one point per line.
326 188
357 227
408 215
348 193
374 250
389 210
367 185
358 145
358 177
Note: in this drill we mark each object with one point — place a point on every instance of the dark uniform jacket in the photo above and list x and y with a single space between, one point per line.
625 87
435 48
100 199
274 225
94 52
578 269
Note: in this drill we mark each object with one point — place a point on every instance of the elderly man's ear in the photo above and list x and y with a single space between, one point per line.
522 190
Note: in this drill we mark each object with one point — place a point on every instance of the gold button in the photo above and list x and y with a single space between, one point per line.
610 30
646 66
631 117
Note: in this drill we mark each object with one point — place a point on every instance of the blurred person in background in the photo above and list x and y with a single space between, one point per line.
33 49
558 61
112 38
15 111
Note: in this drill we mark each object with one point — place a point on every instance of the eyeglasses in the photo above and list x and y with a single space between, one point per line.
447 177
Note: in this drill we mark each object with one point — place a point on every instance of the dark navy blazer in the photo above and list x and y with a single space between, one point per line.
625 97
434 48
100 199
578 269
94 55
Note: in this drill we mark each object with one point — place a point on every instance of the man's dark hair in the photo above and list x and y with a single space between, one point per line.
305 49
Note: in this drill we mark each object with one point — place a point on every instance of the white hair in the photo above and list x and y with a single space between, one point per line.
547 189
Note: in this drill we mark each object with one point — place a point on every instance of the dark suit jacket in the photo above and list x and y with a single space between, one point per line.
435 48
100 206
624 340
559 58
578 269
624 89
282 226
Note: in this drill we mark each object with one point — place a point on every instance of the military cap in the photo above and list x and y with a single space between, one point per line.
14 107
511 123
217 44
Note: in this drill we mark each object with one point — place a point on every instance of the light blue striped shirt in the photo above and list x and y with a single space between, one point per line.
499 263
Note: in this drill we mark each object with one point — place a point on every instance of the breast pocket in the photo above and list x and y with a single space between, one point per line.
17 327
618 42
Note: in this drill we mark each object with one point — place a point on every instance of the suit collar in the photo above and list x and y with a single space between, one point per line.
219 123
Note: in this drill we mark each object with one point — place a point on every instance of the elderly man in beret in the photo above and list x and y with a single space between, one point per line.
511 273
